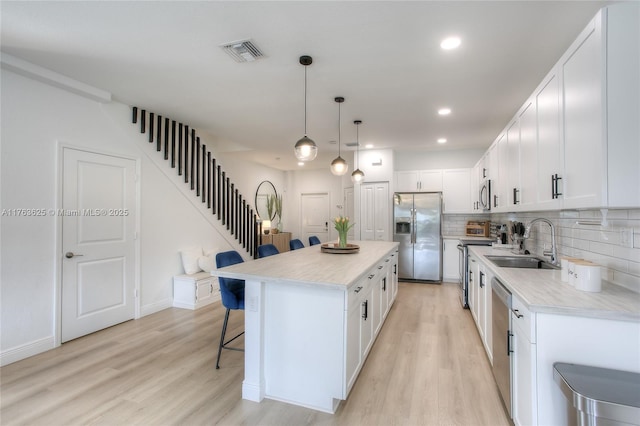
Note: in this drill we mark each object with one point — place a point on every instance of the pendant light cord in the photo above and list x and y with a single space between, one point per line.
305 100
357 146
339 128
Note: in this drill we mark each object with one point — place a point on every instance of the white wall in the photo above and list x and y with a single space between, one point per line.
426 160
37 117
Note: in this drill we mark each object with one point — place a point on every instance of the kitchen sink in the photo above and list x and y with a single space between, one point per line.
529 262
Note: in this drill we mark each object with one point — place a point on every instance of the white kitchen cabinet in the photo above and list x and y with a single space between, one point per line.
474 178
456 191
550 153
601 105
577 134
450 260
418 181
474 293
484 309
500 174
375 204
480 301
192 291
368 304
525 173
585 153
523 367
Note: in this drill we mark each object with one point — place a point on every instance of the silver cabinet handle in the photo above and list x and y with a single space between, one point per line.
71 254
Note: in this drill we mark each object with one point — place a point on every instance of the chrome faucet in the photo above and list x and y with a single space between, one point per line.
553 253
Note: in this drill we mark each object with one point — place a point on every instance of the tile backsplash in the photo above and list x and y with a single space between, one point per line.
614 243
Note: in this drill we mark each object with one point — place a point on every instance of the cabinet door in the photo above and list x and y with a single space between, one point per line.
500 184
366 325
353 344
510 163
451 261
523 380
473 288
386 291
584 148
485 289
549 144
456 192
204 291
375 305
474 179
481 303
430 180
406 181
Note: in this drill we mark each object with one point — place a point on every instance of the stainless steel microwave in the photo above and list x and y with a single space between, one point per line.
485 195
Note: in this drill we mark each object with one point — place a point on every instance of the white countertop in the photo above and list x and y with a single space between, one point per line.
542 290
310 266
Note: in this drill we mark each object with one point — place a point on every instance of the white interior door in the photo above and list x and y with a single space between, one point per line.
314 217
349 210
98 242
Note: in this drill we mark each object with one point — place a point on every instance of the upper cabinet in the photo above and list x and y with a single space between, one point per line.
419 181
455 185
456 191
575 143
601 104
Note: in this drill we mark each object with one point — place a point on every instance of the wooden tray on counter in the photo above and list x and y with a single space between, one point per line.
334 249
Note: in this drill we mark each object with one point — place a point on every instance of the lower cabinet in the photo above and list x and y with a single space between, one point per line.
523 366
192 291
450 260
368 303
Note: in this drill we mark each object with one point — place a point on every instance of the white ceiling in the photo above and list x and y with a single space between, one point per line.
382 57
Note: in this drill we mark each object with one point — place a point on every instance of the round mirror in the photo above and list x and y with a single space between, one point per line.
263 193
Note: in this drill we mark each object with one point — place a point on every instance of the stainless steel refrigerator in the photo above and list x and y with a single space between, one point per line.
417 227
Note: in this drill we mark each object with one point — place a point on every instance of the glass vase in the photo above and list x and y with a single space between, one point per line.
342 239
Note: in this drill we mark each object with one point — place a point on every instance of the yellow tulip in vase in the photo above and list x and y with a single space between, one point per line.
342 226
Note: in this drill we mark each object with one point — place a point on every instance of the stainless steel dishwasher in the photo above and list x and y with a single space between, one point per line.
501 328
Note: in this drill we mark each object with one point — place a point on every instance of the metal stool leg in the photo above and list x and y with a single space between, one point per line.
224 331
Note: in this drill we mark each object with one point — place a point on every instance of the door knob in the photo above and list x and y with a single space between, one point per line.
70 254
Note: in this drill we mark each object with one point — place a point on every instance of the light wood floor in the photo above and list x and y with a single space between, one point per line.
427 367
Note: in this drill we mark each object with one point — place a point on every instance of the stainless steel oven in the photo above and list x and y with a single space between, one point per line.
463 265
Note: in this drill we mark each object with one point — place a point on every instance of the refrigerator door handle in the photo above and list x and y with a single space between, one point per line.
413 226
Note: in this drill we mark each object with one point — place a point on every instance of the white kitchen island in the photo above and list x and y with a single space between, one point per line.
311 319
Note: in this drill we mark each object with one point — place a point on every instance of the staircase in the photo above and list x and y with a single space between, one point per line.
181 149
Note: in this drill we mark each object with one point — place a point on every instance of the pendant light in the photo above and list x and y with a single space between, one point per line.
357 175
339 166
306 149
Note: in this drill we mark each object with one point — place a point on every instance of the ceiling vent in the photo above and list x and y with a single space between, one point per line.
243 51
352 144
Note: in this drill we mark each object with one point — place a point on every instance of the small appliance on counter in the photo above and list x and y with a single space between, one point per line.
477 228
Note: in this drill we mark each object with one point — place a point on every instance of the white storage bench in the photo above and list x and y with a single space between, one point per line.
192 291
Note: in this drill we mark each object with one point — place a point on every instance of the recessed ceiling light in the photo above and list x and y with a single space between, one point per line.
450 43
300 163
444 111
369 145
442 140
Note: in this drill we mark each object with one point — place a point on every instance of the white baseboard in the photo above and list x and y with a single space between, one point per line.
25 351
155 307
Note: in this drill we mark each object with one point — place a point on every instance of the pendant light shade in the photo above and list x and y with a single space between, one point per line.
357 175
305 149
338 166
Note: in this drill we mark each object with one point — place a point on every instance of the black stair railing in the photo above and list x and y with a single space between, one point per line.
181 148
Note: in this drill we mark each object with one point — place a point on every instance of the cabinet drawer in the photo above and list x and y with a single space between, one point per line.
524 319
358 291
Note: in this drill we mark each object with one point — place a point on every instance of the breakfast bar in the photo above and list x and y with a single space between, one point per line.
311 318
